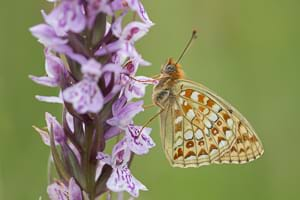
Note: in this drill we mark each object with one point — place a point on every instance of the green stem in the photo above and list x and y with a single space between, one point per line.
89 165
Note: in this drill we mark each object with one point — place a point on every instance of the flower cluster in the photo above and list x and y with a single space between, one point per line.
90 56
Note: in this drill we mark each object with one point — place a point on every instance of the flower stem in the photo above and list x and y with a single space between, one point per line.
89 165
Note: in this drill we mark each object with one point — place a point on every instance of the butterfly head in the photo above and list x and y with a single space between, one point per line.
172 70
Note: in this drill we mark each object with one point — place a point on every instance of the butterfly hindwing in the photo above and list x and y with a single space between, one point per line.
247 147
199 128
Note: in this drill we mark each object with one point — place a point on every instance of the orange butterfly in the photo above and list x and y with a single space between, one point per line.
197 126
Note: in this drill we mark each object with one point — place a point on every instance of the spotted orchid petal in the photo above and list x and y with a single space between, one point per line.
113 68
92 69
121 179
131 67
134 55
137 6
110 48
134 31
112 132
124 47
47 36
49 99
59 191
104 158
123 113
134 5
117 25
55 71
68 16
70 121
56 129
135 88
86 96
122 50
120 154
74 190
95 7
138 139
69 52
44 136
44 80
54 65
118 105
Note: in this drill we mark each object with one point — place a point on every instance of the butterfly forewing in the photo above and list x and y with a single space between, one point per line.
199 128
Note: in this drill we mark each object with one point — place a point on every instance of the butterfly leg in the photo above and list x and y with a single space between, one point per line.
152 118
162 109
149 106
156 77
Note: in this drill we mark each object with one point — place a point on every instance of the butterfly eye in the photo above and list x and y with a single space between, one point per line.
170 69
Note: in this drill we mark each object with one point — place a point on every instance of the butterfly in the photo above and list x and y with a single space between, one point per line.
197 127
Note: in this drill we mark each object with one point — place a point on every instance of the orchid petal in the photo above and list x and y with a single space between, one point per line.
118 105
117 25
113 131
134 31
121 179
56 128
85 96
68 16
46 35
44 80
139 142
74 190
44 135
57 191
92 68
70 121
125 114
137 6
95 7
109 48
49 99
120 154
54 66
104 158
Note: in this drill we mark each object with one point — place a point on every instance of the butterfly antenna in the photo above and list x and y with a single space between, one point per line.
194 36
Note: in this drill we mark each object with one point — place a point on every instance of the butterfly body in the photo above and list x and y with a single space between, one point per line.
198 127
167 86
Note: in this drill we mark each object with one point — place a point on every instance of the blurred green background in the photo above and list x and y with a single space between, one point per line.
247 51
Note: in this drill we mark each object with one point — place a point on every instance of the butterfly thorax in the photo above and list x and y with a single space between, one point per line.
167 88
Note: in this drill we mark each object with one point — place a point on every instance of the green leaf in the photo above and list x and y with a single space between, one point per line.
98 29
57 161
101 182
74 166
